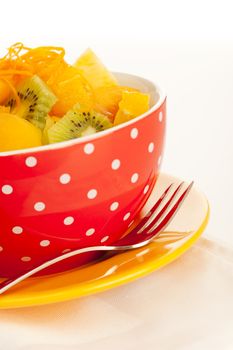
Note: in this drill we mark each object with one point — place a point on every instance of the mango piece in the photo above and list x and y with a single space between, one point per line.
107 99
132 105
17 133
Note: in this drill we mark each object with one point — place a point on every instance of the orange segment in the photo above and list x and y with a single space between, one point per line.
71 92
107 99
132 105
62 73
70 88
93 70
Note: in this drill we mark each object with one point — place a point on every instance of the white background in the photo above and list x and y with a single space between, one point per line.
184 46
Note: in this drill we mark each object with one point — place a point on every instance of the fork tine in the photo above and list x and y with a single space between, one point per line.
154 228
153 217
164 209
170 214
153 209
126 239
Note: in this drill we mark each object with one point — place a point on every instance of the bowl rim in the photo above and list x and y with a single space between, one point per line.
92 137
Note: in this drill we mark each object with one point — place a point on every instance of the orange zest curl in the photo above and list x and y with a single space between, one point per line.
21 62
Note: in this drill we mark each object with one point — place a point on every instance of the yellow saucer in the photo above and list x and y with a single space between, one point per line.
183 231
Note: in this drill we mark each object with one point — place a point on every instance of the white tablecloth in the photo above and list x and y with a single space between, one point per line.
187 305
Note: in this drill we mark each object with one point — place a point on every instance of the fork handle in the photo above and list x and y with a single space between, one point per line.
11 282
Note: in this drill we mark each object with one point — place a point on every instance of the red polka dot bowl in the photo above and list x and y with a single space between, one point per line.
79 193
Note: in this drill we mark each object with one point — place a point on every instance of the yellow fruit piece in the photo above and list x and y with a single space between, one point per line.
132 105
93 70
4 91
107 99
17 133
4 109
50 121
63 72
70 88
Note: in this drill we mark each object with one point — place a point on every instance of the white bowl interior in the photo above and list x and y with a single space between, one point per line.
141 84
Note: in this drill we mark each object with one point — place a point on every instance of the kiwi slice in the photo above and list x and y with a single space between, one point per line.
77 123
36 101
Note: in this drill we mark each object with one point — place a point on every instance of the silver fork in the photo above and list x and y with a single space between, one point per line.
150 226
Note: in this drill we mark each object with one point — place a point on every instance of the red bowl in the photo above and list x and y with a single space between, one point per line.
81 192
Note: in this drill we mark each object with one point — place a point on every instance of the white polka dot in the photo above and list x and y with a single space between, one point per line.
151 147
114 206
65 179
116 164
1 248
126 216
134 178
159 160
92 193
45 243
66 251
17 230
160 116
39 206
134 133
104 239
89 148
131 223
31 162
146 189
7 189
68 220
26 258
90 232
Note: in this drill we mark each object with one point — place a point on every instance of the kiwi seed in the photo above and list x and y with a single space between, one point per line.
77 123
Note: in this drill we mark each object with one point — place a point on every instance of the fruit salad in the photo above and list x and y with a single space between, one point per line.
44 99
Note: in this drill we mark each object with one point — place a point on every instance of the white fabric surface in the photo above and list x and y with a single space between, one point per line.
186 305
